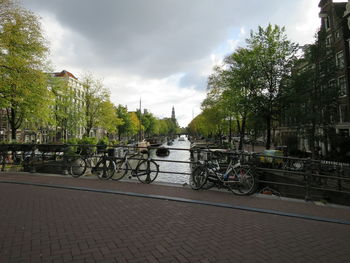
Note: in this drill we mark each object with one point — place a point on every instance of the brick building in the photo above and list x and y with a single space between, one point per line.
335 30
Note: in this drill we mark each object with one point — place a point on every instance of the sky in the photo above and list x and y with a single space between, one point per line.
161 51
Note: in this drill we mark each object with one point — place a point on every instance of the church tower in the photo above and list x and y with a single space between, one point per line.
173 114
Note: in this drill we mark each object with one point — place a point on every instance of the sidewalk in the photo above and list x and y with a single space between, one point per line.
50 224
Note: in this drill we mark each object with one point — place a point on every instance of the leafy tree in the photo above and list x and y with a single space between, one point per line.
109 119
135 123
125 125
23 51
94 97
149 123
234 86
275 57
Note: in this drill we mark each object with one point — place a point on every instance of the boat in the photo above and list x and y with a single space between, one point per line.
162 152
155 142
169 143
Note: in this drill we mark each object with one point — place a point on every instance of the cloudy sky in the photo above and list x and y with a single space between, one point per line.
161 51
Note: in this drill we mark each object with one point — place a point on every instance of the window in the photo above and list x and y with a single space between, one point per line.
337 34
332 83
327 23
328 40
344 133
342 86
339 59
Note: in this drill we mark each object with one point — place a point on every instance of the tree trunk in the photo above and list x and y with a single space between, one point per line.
312 140
11 116
119 136
87 131
242 133
230 131
13 134
268 132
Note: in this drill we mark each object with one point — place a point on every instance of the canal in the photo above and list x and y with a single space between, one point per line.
175 155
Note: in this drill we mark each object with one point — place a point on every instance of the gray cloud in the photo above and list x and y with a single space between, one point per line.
153 37
138 41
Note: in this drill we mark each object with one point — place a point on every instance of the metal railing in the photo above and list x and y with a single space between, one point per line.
298 177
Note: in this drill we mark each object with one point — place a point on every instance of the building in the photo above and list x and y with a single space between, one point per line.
334 33
69 99
334 20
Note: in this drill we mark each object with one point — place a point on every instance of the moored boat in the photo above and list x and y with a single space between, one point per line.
162 152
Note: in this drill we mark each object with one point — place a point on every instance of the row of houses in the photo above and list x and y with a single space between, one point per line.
335 22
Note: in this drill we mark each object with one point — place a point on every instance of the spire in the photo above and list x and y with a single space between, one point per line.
173 114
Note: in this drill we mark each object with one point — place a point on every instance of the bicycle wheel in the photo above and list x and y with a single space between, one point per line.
120 171
104 169
78 167
241 181
198 177
147 171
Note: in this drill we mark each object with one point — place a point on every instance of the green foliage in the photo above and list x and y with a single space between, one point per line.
86 145
23 51
248 86
95 98
125 125
109 119
102 144
276 56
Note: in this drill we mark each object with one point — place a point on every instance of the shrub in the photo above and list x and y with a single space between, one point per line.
86 145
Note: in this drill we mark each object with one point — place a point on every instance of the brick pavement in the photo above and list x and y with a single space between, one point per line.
41 224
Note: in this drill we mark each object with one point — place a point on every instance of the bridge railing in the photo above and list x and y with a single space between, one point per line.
295 177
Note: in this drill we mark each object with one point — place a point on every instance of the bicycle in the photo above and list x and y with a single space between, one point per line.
104 169
146 169
237 178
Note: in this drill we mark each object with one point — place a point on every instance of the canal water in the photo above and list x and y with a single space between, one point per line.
175 155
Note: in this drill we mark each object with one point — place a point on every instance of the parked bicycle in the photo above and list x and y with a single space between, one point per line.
104 167
146 170
237 178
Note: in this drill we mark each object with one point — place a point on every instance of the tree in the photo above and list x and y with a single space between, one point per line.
237 80
95 95
23 51
109 118
135 123
275 57
125 125
149 123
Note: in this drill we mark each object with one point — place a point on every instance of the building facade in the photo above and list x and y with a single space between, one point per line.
334 126
334 21
69 99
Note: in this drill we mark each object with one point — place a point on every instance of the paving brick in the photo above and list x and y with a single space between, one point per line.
41 224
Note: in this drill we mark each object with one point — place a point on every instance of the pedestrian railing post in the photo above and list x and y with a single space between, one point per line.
65 161
4 155
340 174
148 169
32 157
308 179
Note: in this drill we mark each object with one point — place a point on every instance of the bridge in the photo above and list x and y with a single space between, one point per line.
59 218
